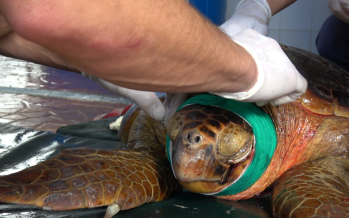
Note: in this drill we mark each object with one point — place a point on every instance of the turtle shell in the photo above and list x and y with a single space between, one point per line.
328 84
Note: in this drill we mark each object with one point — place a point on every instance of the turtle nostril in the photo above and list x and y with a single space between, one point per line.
197 139
188 136
192 138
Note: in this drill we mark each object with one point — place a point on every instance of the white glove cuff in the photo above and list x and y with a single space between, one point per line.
264 5
260 80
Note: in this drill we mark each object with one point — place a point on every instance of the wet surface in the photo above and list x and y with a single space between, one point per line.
21 148
21 74
40 112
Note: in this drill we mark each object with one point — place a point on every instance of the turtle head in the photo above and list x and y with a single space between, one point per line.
211 147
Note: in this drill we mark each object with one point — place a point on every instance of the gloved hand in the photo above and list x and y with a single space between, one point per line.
249 14
340 8
147 101
278 82
172 103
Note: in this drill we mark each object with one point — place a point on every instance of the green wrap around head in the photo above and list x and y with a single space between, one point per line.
263 130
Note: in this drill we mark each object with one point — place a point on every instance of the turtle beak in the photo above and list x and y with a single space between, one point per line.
195 164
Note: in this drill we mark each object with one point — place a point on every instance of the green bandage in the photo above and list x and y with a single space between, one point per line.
263 130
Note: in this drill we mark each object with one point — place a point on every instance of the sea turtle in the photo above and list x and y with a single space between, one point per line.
233 152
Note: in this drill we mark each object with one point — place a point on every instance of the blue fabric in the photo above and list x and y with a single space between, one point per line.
332 41
214 10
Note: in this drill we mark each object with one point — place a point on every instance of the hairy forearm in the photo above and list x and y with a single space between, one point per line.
158 45
12 45
279 5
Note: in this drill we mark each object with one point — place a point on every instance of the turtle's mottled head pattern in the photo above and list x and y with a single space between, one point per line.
212 147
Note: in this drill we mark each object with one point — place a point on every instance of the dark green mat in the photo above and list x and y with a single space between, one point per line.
181 205
94 129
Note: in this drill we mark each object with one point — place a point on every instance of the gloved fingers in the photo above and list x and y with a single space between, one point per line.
282 100
301 88
168 99
277 75
249 14
88 76
261 103
147 101
169 114
286 99
176 101
278 101
231 29
239 23
262 29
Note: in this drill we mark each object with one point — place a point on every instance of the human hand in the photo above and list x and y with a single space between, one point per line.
147 101
340 8
278 82
172 103
249 14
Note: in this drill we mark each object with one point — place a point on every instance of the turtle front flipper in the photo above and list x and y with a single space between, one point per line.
315 189
87 178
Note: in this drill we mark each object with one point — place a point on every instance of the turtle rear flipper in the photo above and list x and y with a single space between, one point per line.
315 189
86 178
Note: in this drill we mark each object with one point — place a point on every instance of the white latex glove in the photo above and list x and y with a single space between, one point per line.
340 8
249 14
172 103
147 101
278 82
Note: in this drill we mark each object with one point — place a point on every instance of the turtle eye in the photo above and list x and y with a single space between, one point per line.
235 144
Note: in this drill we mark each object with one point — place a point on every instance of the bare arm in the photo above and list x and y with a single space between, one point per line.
12 45
278 5
158 45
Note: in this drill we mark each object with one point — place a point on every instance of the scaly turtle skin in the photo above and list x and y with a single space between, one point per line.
87 178
212 148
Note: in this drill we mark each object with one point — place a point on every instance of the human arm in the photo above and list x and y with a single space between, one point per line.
278 5
12 45
277 75
163 47
155 41
256 15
